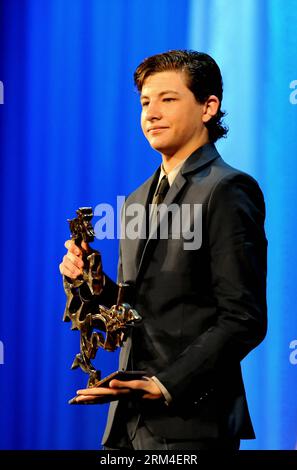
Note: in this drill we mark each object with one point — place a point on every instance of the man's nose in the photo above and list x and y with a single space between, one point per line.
153 112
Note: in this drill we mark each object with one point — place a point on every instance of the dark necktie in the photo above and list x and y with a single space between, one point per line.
158 198
161 191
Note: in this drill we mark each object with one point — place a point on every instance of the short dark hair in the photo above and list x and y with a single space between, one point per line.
203 77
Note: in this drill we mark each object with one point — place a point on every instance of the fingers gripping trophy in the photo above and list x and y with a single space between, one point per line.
100 326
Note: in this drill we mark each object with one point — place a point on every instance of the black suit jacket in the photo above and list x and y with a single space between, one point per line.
204 309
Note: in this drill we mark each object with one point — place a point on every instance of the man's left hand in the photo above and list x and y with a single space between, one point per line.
151 389
121 387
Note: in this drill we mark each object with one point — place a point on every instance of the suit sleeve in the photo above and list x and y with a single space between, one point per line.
237 246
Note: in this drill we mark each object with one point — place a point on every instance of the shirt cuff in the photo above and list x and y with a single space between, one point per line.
166 394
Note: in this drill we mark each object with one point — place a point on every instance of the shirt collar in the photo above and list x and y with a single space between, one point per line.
172 174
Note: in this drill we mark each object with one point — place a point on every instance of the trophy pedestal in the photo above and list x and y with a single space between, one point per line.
123 375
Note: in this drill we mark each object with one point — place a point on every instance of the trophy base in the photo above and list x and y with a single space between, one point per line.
123 375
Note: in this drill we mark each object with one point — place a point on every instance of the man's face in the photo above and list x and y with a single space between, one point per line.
171 118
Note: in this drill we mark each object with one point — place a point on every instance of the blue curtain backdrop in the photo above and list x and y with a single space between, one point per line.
70 137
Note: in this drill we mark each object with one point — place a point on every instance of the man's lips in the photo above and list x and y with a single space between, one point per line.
156 130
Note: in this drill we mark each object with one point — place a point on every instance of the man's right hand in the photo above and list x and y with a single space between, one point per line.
72 264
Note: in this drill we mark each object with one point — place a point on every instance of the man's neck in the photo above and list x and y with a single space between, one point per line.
171 161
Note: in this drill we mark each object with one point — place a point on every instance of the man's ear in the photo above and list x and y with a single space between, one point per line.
211 107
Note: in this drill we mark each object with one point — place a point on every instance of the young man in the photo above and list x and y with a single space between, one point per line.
203 305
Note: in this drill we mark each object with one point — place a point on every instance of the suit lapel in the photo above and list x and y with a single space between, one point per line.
178 184
145 200
198 160
132 248
135 251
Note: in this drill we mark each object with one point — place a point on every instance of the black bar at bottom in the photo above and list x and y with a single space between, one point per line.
137 459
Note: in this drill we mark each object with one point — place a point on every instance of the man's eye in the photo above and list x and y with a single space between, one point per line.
168 99
144 103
